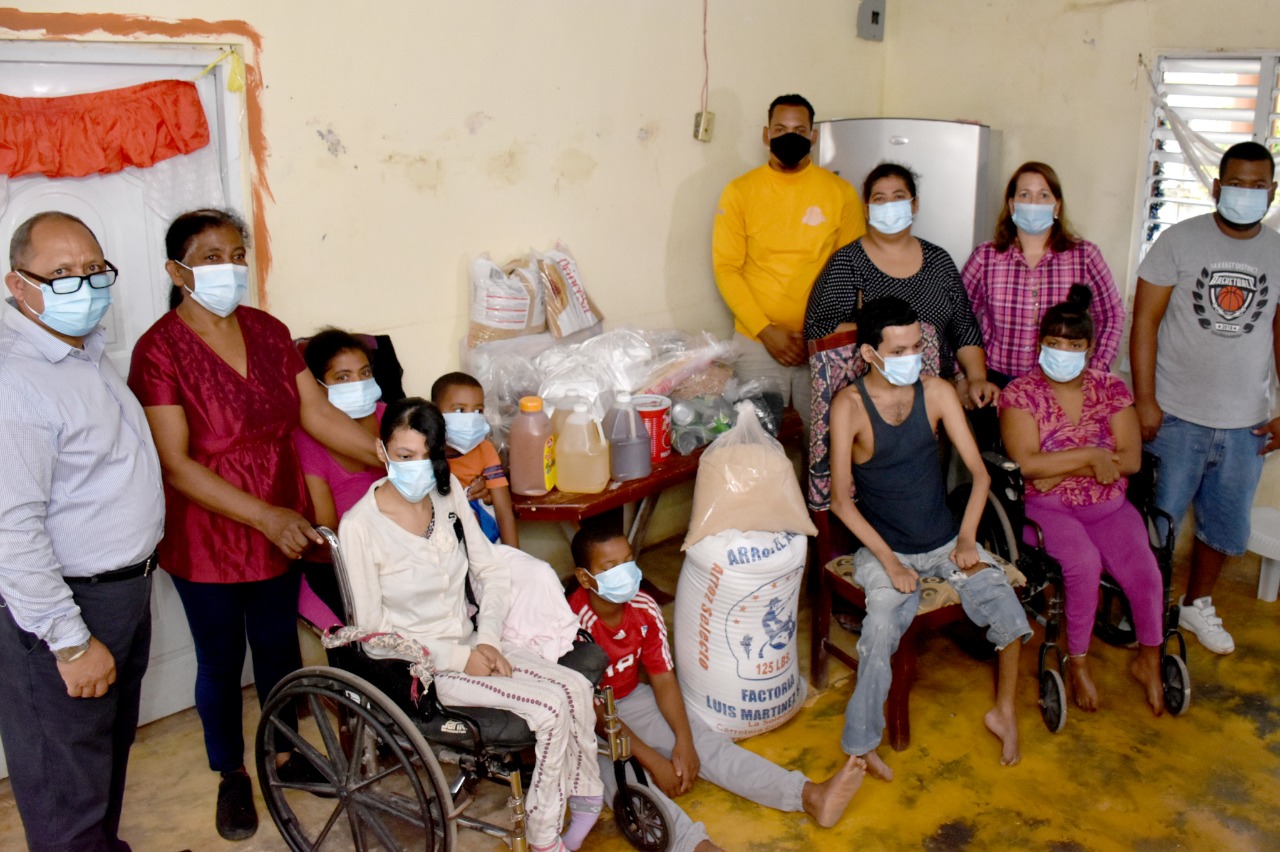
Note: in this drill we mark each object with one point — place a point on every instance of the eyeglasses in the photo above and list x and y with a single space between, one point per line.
69 284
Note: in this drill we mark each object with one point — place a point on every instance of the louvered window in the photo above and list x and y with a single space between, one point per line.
1222 101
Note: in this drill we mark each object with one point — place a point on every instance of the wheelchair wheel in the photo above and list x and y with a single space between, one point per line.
641 819
1177 684
382 785
1053 700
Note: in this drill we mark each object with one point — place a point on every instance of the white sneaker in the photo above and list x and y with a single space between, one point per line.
1199 618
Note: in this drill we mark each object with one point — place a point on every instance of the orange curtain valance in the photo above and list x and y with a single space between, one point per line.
102 132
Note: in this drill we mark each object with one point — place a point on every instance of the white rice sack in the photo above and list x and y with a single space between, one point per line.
735 630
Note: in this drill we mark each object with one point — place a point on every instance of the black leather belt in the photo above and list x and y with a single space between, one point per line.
128 572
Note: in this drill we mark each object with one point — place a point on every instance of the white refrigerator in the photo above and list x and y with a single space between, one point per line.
958 192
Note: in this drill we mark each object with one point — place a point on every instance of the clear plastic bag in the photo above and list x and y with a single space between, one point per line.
503 305
765 394
746 482
675 365
569 308
575 373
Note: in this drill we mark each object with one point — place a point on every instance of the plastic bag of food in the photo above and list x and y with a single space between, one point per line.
672 369
569 308
624 353
765 394
746 482
503 305
505 377
578 376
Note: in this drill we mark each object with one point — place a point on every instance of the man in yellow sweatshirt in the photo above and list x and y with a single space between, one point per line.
775 228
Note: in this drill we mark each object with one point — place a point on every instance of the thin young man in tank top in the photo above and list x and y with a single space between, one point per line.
884 441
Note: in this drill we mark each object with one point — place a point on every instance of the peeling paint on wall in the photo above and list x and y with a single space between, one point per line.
67 26
476 121
331 141
423 172
507 167
574 166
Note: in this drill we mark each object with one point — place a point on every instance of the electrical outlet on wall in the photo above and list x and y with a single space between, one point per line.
703 123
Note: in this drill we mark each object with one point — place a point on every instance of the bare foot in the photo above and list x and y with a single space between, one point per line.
876 767
826 802
1145 669
707 846
1082 683
1005 727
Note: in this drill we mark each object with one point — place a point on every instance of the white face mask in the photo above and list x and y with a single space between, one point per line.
464 430
1062 365
355 399
890 217
219 287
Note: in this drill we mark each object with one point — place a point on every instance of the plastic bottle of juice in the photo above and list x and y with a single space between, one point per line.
532 450
629 444
563 407
582 454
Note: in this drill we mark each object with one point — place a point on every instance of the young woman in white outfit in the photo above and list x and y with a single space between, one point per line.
408 569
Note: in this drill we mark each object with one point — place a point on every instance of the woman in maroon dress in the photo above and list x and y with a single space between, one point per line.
223 389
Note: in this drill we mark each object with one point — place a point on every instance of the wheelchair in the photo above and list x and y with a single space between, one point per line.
1000 532
383 755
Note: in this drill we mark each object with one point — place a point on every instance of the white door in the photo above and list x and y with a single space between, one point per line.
131 230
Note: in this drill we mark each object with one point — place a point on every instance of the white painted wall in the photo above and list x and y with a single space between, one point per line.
1060 79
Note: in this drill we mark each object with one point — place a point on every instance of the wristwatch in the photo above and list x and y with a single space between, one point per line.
72 653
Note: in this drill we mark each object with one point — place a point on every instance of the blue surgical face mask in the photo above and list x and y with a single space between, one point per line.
355 399
1033 218
73 314
464 430
620 583
1242 206
900 370
1062 365
890 217
220 286
413 479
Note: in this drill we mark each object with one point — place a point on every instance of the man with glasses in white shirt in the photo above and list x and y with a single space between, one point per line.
81 512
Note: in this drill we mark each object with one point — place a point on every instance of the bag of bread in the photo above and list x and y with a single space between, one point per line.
506 301
746 482
569 308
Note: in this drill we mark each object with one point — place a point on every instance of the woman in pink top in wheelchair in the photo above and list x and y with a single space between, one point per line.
1074 432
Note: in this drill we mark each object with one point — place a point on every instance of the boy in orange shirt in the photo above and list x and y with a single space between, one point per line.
471 454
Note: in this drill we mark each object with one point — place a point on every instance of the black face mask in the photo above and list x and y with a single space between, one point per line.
790 148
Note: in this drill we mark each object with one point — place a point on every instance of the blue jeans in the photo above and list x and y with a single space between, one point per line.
220 616
1216 472
986 596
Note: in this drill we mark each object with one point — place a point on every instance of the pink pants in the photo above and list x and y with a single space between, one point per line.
1087 539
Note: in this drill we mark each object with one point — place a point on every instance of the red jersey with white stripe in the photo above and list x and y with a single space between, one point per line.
640 640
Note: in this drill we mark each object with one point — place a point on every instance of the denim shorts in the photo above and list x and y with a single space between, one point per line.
1214 471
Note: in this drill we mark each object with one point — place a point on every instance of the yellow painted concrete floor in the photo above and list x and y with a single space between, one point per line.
1118 779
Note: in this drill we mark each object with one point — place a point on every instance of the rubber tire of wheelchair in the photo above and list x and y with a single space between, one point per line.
1177 684
399 738
1053 700
650 832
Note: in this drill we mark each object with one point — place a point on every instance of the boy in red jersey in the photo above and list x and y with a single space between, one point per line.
672 746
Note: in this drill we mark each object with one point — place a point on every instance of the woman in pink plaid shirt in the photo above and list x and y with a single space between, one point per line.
1029 267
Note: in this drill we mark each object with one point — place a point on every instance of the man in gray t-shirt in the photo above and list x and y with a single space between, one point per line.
1204 354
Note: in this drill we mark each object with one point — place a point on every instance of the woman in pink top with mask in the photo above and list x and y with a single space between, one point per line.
1074 432
1029 267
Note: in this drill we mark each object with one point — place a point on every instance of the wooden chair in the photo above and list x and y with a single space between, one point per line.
834 363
